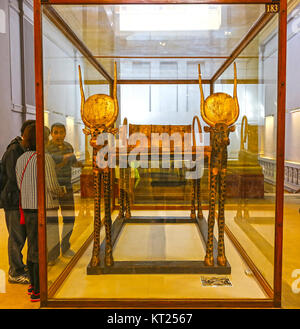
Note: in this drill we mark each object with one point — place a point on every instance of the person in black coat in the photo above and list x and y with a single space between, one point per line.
10 201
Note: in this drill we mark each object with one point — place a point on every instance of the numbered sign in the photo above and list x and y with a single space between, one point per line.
272 8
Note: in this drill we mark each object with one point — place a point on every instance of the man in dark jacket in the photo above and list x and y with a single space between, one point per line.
10 201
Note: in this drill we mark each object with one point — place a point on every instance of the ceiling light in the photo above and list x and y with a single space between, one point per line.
170 18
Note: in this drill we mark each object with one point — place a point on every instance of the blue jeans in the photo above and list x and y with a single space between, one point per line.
16 241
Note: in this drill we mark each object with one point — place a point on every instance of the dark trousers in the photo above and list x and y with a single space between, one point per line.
68 213
31 224
67 208
16 241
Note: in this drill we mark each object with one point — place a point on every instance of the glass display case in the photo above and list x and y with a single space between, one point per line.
163 119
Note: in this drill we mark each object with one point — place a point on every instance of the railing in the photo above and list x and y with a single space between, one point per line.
291 173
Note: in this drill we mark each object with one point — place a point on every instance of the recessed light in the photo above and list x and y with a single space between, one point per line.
166 18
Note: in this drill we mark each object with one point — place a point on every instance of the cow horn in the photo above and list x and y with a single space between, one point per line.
236 102
199 129
115 98
235 82
244 131
201 90
82 97
202 101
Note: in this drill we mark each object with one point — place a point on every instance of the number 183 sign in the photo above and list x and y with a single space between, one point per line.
272 8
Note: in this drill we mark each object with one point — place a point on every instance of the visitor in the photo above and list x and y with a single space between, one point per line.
26 174
17 272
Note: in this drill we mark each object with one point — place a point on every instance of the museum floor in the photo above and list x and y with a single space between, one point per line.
173 241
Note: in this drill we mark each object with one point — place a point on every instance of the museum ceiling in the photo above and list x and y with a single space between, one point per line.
165 37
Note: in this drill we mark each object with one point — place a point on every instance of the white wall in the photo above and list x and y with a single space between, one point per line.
292 142
16 101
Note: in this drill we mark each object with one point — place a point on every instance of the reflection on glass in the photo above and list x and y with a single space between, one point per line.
71 223
252 165
63 155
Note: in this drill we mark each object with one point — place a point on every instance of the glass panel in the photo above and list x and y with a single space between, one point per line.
206 31
252 150
157 201
70 197
134 40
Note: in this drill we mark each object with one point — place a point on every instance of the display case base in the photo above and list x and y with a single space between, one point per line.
158 267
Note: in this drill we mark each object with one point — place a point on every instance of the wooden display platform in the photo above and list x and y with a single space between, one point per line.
158 267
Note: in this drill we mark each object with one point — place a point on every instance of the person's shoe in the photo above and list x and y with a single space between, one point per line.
35 297
21 279
69 253
30 290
